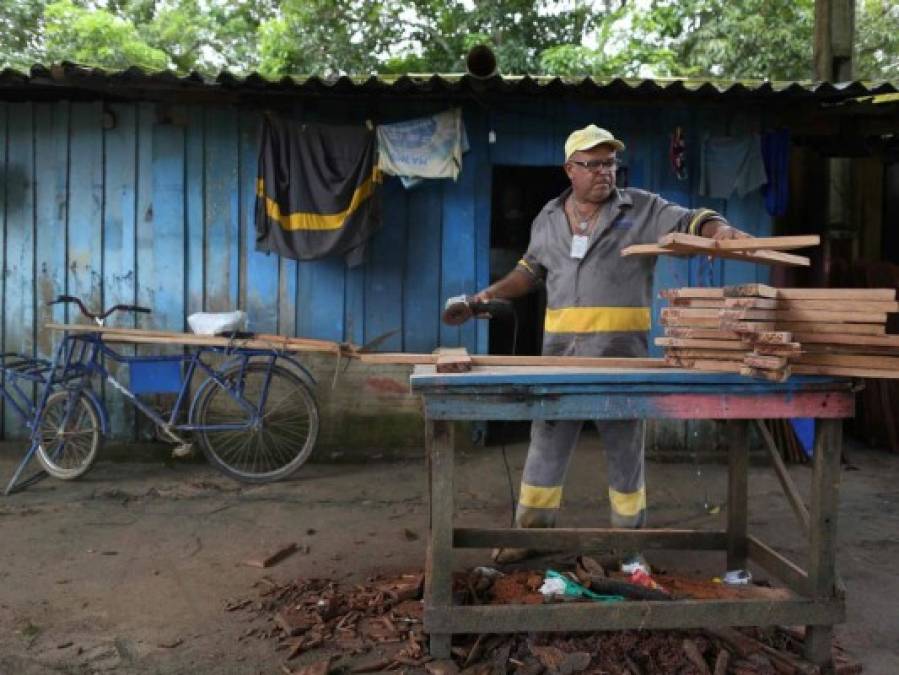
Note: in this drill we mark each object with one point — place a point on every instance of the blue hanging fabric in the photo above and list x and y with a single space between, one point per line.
804 428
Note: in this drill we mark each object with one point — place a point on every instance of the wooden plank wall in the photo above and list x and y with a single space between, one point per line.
154 204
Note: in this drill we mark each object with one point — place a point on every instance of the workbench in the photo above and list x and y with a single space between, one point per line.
527 393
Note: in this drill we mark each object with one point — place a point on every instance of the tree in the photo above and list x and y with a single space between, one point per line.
758 39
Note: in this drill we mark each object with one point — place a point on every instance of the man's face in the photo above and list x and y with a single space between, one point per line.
592 184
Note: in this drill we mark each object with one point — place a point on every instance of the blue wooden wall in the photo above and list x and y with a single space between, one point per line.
156 206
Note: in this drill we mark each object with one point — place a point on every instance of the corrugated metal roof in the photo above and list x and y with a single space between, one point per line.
68 76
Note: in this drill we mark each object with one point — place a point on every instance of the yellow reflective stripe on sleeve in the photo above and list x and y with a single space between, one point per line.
597 319
535 497
524 263
627 503
698 219
317 221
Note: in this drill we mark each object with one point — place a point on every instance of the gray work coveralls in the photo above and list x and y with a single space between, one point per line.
596 306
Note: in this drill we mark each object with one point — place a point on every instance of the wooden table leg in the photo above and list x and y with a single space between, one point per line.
823 531
737 435
439 562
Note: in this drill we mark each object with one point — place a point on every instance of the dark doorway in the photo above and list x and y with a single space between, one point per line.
890 236
519 193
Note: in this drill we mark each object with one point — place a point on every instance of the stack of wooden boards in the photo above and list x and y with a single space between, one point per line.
768 332
766 250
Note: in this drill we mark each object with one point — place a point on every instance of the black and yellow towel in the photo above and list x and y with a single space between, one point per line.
316 190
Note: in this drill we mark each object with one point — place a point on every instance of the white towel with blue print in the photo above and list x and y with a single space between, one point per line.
426 147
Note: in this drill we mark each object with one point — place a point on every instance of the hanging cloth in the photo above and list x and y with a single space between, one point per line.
731 164
426 147
316 190
776 151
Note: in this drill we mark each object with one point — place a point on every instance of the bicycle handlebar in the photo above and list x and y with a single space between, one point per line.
61 299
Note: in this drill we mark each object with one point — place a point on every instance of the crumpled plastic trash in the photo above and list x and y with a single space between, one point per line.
556 585
737 577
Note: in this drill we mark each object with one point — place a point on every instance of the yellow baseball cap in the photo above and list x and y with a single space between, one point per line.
589 137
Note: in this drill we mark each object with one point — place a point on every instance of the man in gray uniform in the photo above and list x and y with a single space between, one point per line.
598 304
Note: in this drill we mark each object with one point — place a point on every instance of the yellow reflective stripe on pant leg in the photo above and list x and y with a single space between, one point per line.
597 319
627 504
535 497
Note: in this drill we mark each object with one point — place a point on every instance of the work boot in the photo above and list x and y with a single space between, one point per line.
506 556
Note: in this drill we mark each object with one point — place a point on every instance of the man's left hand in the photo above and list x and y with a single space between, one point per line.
725 231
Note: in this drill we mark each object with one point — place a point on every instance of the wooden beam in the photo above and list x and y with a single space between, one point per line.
791 492
687 343
682 248
772 243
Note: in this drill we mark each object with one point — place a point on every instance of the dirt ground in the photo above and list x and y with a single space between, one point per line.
129 569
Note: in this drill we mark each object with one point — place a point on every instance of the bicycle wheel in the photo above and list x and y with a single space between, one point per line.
67 451
278 445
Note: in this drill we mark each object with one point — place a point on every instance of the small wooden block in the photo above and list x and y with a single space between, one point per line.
770 375
696 292
453 360
763 362
701 333
273 558
750 291
748 326
687 343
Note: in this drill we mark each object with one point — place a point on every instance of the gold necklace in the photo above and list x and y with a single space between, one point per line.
583 222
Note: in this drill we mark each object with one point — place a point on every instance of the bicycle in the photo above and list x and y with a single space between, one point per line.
254 414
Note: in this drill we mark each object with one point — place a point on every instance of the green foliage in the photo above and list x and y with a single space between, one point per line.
96 38
877 32
758 39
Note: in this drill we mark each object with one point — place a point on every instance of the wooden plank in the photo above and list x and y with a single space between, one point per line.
702 333
691 323
692 293
222 210
750 291
822 571
869 294
583 538
751 303
707 365
686 314
737 440
688 343
161 236
791 492
850 361
452 360
19 272
797 315
644 615
828 305
85 247
851 371
259 271
51 156
195 225
851 329
777 565
693 245
502 360
421 285
4 223
697 303
439 563
765 362
772 243
824 337
791 349
458 253
384 270
749 326
713 354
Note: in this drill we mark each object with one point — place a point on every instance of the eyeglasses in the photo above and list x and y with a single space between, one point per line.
596 165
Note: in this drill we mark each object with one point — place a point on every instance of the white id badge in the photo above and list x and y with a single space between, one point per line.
579 246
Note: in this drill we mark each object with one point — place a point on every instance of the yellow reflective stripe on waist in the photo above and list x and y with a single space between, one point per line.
627 503
597 319
535 497
317 221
